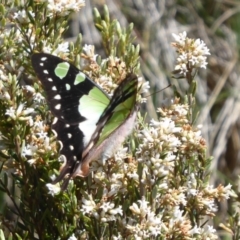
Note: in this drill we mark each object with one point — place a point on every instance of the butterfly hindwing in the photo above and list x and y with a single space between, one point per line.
120 107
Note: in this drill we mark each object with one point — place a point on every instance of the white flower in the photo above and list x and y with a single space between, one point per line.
144 85
142 209
180 109
178 214
180 38
14 114
61 48
195 230
6 96
121 153
72 237
22 17
133 175
53 189
27 111
38 97
31 161
182 67
19 109
149 225
118 237
53 177
89 51
29 88
192 182
210 204
88 205
11 113
42 135
116 211
39 125
228 191
3 75
29 150
210 229
201 47
46 48
106 206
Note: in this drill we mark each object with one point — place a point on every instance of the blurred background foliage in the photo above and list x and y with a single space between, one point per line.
217 23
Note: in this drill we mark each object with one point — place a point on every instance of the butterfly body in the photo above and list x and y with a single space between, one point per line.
88 124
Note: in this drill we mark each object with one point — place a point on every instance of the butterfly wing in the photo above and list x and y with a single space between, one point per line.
76 102
121 106
115 123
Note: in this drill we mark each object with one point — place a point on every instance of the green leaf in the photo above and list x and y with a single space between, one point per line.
106 14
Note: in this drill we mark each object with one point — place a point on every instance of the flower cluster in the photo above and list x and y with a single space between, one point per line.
39 140
64 7
20 113
167 149
15 39
192 53
104 211
61 50
165 141
114 67
148 224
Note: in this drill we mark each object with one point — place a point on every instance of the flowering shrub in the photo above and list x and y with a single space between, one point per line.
156 186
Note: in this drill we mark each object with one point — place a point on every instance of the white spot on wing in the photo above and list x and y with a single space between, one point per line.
55 120
61 145
58 97
88 127
54 88
41 64
58 106
54 132
71 147
69 135
67 125
68 87
45 71
50 79
92 114
43 59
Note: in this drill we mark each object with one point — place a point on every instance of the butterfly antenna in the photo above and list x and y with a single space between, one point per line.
169 85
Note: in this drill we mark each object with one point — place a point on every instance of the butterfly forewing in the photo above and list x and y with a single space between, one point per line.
65 85
76 102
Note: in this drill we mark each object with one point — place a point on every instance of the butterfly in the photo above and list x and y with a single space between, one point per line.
88 124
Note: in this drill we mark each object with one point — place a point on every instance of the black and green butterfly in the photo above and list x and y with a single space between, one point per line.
88 124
